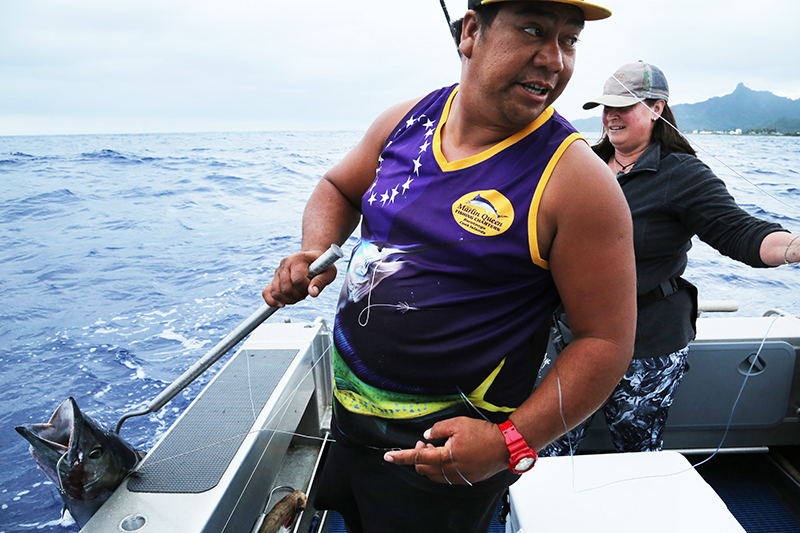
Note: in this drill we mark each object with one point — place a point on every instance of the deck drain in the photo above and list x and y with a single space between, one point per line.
133 522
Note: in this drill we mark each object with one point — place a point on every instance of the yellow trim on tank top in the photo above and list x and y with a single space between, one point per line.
533 212
447 166
358 397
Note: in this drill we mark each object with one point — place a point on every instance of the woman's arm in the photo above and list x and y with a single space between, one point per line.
780 248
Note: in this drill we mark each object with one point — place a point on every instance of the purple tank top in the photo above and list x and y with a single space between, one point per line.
445 292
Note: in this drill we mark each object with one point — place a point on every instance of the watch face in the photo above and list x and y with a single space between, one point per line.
524 464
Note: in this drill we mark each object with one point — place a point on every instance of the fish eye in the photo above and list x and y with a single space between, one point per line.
96 453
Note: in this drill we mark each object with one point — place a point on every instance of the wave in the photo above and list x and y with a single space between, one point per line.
41 206
113 156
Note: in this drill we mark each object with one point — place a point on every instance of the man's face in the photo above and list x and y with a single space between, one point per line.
524 60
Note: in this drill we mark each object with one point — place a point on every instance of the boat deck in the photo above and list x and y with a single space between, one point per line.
760 490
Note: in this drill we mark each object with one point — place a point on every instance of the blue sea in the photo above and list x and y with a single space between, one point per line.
124 258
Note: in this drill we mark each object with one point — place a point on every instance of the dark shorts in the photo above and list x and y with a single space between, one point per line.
374 496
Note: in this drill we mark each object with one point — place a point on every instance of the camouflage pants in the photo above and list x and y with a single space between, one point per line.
636 411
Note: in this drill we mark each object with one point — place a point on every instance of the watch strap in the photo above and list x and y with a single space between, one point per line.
517 447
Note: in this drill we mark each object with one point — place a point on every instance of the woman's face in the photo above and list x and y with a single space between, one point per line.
629 128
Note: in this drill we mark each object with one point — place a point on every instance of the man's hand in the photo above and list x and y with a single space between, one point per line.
291 284
474 450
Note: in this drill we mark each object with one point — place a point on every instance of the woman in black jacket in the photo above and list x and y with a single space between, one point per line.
672 196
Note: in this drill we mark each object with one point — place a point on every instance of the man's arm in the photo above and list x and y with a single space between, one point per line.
332 213
592 261
585 233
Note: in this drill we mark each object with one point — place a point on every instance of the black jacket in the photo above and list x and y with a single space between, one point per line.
673 197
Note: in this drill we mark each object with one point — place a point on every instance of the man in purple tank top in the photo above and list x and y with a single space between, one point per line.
480 209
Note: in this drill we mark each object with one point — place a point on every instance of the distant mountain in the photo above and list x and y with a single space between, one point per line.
588 125
743 109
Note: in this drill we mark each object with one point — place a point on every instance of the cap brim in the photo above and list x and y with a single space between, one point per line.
611 100
590 11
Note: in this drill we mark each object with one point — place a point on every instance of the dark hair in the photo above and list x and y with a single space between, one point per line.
663 133
455 30
485 16
487 13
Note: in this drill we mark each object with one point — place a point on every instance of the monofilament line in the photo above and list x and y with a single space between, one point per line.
719 447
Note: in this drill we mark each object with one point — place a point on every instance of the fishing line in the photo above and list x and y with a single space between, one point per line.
234 437
272 436
456 467
693 467
250 388
279 408
564 421
469 403
741 390
674 127
252 473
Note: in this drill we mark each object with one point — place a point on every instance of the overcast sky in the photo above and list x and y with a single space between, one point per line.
119 66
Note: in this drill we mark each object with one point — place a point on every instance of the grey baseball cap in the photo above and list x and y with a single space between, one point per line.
631 83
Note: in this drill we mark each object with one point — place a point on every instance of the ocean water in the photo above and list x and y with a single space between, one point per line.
124 258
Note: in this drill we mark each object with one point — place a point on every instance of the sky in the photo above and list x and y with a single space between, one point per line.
157 66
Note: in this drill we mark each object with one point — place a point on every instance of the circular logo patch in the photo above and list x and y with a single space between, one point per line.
486 213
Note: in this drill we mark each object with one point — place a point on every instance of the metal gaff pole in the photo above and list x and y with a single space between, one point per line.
232 339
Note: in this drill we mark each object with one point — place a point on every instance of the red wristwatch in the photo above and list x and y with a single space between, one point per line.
522 456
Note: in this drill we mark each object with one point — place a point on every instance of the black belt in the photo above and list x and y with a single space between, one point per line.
664 289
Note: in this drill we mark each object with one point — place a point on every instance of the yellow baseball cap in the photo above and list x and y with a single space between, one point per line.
590 11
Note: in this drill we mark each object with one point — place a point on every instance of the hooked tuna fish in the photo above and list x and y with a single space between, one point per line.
85 461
